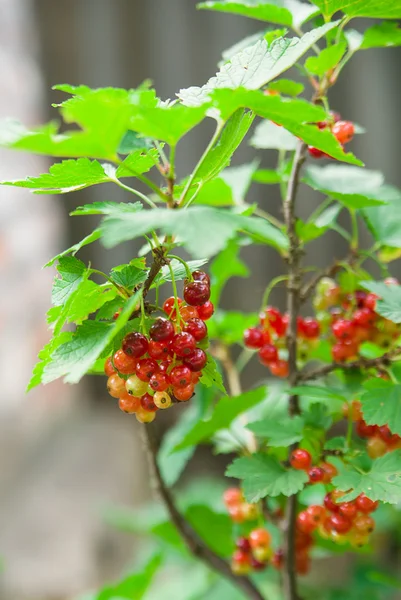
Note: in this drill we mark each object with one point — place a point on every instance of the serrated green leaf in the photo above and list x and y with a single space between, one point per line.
385 221
287 87
327 59
106 208
315 228
279 434
86 300
202 230
280 12
89 239
383 35
336 443
73 358
71 273
268 135
225 266
317 416
375 9
353 187
255 66
381 404
225 412
211 376
138 162
267 176
132 142
106 312
264 475
389 303
45 358
382 482
129 276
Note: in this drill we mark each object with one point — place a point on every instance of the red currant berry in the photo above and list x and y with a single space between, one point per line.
339 523
129 404
364 524
343 329
158 350
386 435
135 345
364 430
305 522
365 504
310 328
279 368
376 447
259 537
145 368
303 540
162 400
343 131
330 471
253 338
267 354
206 310
108 367
116 386
184 394
364 316
330 504
123 363
315 152
316 474
169 306
241 557
196 361
300 459
232 497
243 544
197 328
341 351
189 312
165 364
147 403
278 559
302 564
159 382
317 513
183 344
347 509
180 376
370 301
257 565
162 330
196 293
201 276
273 318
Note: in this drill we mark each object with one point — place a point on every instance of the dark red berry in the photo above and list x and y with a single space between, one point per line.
315 152
305 522
201 276
253 338
145 368
310 328
135 345
196 293
364 430
243 544
162 330
300 459
196 361
206 310
347 509
148 404
316 474
197 328
370 301
364 316
183 344
278 559
330 504
256 565
267 354
158 350
180 376
343 329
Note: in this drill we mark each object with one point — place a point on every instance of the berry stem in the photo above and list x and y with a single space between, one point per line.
194 544
354 230
270 287
182 261
174 286
143 197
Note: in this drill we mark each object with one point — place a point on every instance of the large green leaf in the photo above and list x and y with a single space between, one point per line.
71 273
226 265
383 35
202 230
375 9
389 303
381 404
385 221
382 482
281 12
279 434
326 60
133 586
256 65
264 476
225 412
215 529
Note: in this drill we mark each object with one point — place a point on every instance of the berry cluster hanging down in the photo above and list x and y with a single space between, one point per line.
153 371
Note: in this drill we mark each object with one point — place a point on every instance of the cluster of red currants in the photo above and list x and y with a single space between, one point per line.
151 372
343 130
269 338
301 460
379 440
351 319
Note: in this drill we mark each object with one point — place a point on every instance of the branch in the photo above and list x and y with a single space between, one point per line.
191 539
308 289
362 363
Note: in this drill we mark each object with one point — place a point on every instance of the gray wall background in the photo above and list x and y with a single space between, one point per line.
52 540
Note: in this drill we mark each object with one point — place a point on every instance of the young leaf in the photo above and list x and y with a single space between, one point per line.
285 434
327 59
72 272
268 135
225 412
381 404
318 392
375 9
129 276
256 65
45 358
383 35
89 239
382 482
106 208
211 376
264 475
389 303
287 87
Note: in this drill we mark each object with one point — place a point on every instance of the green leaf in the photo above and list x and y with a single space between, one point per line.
133 586
72 272
318 392
336 443
228 326
73 358
279 435
381 404
385 221
316 227
255 66
375 9
86 300
327 59
267 176
202 230
131 275
89 239
225 266
211 376
45 358
389 303
268 135
280 12
225 412
179 270
383 35
286 87
353 187
138 162
215 529
382 482
106 208
317 416
132 142
264 475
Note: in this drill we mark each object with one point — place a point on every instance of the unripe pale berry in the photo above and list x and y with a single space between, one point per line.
115 386
162 400
136 387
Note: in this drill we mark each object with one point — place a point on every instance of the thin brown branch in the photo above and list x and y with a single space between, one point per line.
308 289
191 539
362 363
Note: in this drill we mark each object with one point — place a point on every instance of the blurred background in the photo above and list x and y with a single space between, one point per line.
66 452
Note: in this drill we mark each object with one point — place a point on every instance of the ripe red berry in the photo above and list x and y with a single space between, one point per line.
386 435
370 301
303 539
147 403
316 474
317 513
169 306
197 328
201 276
242 543
123 363
145 368
206 310
310 328
278 559
196 361
259 537
129 404
253 338
330 504
180 376
158 350
189 312
108 367
162 330
364 316
196 293
116 386
305 522
232 496
364 524
330 471
343 329
348 510
302 563
241 557
267 354
300 459
183 344
185 393
273 318
339 523
279 368
364 430
159 381
343 131
315 152
135 345
365 504
257 565
341 351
